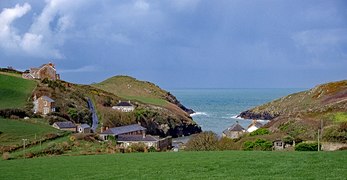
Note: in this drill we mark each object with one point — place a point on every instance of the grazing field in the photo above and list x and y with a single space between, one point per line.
183 165
14 91
13 131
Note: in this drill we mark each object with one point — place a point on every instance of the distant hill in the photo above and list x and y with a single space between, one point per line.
130 88
325 98
303 113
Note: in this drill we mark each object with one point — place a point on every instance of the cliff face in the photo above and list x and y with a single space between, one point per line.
325 98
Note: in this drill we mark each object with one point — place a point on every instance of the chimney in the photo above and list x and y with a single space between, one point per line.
143 134
129 101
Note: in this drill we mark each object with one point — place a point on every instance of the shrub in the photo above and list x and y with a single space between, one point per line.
6 156
288 140
336 133
152 149
138 147
7 113
226 144
259 144
260 131
306 146
205 141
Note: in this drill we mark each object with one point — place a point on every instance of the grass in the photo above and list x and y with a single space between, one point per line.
14 91
147 100
130 88
13 131
182 165
340 117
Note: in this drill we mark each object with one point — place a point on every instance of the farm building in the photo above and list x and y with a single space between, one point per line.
65 126
43 105
45 71
254 126
124 106
83 128
234 131
278 145
134 129
149 141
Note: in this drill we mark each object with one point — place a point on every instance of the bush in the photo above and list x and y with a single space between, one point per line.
260 131
6 156
336 133
306 146
288 140
7 113
259 144
138 147
226 144
152 149
205 141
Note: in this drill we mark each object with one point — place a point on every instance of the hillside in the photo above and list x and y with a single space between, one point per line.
302 113
71 105
14 90
183 165
143 91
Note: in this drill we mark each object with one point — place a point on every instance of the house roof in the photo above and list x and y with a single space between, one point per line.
234 127
135 138
256 124
47 98
84 126
66 124
124 104
124 129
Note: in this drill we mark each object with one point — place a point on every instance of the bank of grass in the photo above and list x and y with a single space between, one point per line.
183 165
13 131
147 100
339 117
14 91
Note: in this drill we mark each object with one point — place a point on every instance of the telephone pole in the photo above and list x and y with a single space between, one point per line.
24 141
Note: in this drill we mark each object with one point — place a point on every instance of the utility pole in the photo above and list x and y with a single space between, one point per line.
318 139
24 140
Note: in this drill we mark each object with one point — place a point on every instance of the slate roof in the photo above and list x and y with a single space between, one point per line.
124 129
124 104
84 126
136 138
234 127
256 124
47 98
67 124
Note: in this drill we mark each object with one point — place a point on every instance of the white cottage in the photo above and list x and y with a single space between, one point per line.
254 126
124 106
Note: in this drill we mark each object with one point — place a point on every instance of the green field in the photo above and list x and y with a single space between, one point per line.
13 131
14 91
183 165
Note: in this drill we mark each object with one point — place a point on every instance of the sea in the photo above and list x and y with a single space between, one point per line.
217 109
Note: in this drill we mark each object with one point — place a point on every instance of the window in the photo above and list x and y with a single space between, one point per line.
46 103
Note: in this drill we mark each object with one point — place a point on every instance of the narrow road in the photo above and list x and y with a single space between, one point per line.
94 116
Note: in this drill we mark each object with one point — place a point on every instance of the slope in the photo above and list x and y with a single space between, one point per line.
14 91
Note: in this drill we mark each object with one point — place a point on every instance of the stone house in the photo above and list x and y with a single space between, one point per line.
234 131
278 145
124 107
44 71
149 141
43 105
83 128
254 126
65 126
134 129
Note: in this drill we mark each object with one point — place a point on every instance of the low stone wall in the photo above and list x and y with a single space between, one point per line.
331 146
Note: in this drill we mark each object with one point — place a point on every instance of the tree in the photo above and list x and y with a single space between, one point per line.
205 141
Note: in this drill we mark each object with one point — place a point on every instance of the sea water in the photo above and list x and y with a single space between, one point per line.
217 109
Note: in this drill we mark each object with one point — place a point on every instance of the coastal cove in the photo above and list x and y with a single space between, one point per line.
217 109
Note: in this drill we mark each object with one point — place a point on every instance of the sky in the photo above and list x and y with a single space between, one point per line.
180 43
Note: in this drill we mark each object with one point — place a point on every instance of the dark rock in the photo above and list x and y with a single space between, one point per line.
263 115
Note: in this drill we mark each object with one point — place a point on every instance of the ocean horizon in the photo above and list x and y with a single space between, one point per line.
217 108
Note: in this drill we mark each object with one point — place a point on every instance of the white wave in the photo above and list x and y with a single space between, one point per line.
236 117
199 114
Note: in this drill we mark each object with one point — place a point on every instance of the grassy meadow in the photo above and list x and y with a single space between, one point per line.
13 131
14 91
182 165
